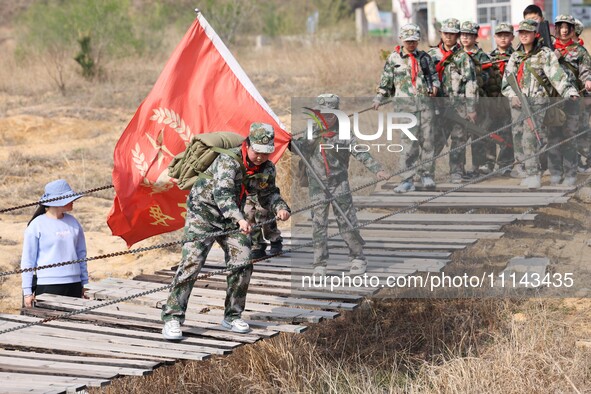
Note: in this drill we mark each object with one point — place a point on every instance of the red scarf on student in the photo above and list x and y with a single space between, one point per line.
502 65
563 48
440 66
250 170
581 42
325 134
414 66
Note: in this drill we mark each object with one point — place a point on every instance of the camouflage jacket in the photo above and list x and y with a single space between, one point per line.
545 64
336 168
396 80
220 190
496 77
576 60
459 74
483 72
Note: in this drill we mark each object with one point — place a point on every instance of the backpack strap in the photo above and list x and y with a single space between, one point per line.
547 85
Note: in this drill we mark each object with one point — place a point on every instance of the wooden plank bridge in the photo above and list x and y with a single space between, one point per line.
91 349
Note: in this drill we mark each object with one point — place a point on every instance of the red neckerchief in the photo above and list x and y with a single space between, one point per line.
581 42
440 66
563 48
502 65
250 170
414 65
324 134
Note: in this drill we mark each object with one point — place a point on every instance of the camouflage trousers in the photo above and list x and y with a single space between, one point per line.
444 129
525 141
236 249
320 221
484 152
423 149
562 160
255 214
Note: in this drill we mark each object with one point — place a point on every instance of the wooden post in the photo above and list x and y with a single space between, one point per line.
360 24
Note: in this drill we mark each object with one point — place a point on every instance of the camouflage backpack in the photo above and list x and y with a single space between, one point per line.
203 149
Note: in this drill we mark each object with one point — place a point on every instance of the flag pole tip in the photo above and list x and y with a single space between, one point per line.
197 11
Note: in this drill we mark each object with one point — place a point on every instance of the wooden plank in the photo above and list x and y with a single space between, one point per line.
526 193
136 311
38 379
53 338
253 289
132 334
270 299
110 361
486 187
384 231
48 367
155 342
444 218
15 387
156 327
388 202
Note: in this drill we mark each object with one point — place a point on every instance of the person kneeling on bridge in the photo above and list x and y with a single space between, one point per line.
215 204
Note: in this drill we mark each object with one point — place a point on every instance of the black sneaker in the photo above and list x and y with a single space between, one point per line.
256 254
276 248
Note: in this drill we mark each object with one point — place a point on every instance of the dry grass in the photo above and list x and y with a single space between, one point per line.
399 346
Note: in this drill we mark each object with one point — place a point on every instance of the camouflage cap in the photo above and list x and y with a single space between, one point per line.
528 25
450 25
579 27
410 32
565 19
328 101
469 27
504 27
262 137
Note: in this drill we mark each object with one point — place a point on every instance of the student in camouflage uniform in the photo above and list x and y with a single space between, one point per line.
484 151
537 71
332 167
458 82
215 205
409 75
255 214
575 60
584 142
501 109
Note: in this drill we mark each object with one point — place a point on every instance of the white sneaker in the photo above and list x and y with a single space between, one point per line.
358 267
555 180
428 182
532 182
456 177
405 186
484 169
319 270
569 181
237 325
172 330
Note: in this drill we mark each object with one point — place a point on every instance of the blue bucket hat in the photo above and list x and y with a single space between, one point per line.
56 189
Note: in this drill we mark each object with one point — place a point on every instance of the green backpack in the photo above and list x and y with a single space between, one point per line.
203 149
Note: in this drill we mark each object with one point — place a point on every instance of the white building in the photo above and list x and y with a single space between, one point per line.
423 12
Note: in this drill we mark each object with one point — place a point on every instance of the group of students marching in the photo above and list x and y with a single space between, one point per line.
476 93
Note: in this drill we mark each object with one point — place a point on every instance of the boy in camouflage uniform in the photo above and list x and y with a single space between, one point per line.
458 81
332 167
255 214
410 74
215 205
484 151
575 60
501 109
538 71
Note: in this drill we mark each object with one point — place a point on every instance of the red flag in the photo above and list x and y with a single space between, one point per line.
201 89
